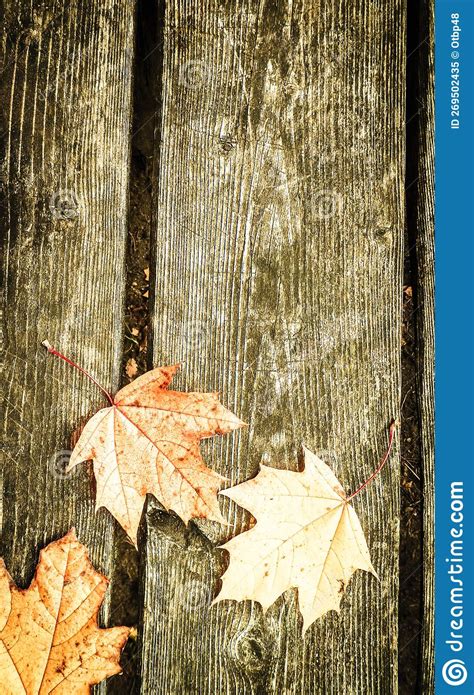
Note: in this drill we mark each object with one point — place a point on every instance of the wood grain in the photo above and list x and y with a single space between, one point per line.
65 120
279 210
425 313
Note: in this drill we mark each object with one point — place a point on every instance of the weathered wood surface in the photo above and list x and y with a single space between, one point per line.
425 312
65 119
279 204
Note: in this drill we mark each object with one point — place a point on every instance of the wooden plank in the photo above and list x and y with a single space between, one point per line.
425 305
278 244
65 109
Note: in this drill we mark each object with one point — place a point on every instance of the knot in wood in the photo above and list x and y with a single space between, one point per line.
249 649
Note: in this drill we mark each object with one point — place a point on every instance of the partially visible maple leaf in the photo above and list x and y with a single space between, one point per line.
49 638
307 536
148 441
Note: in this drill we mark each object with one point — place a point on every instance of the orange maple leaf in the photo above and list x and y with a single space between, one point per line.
147 441
49 638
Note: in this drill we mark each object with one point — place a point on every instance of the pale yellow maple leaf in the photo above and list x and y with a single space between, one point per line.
147 441
49 638
307 536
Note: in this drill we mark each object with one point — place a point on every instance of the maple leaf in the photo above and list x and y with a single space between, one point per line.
147 441
307 536
49 638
